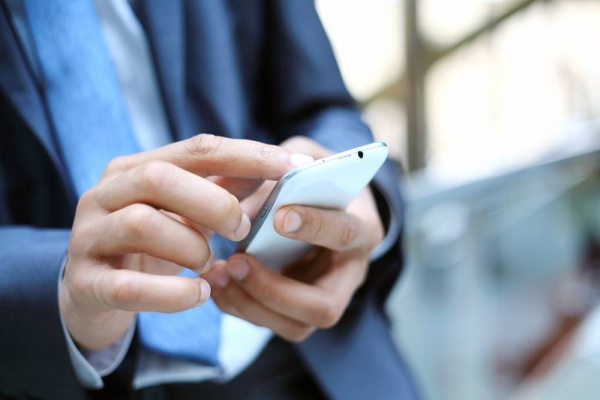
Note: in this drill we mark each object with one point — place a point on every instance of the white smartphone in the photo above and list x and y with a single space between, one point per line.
331 182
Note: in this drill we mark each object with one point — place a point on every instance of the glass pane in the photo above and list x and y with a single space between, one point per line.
515 95
367 38
444 22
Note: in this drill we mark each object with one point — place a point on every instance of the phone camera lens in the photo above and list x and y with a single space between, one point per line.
360 154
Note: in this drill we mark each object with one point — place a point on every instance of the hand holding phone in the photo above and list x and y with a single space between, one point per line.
332 182
312 292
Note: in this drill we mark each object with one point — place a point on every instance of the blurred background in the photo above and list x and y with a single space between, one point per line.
492 109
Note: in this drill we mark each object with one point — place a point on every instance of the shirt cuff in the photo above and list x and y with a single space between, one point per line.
91 366
393 230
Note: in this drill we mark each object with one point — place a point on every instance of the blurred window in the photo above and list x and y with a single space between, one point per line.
368 41
516 94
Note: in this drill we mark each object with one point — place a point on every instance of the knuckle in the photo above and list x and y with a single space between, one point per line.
83 238
87 200
155 174
139 220
122 292
328 315
78 286
116 165
203 145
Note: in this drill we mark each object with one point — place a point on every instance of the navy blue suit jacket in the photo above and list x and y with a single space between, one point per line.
262 70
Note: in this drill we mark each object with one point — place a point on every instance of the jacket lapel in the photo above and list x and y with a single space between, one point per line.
214 78
18 85
196 62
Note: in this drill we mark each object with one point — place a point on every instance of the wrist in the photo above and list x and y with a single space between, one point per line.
92 330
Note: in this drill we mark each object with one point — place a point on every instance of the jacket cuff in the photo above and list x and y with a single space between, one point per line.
390 220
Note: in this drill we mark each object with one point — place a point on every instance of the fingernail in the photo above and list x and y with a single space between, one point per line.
292 222
244 227
209 263
238 268
298 159
221 277
204 291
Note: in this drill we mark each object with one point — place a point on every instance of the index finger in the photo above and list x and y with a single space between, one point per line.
207 155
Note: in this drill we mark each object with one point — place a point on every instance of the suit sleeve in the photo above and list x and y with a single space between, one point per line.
307 96
34 362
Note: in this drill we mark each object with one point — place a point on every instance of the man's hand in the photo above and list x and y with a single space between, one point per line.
315 291
149 214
